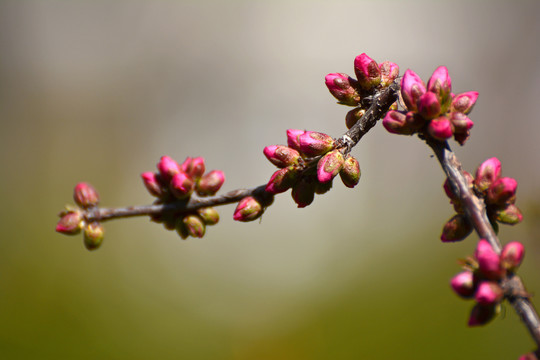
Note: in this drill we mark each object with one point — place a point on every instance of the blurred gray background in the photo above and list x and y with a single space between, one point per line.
98 91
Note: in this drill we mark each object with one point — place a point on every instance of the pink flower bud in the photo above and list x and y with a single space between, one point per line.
181 185
488 293
456 229
248 209
194 225
282 180
463 284
482 314
440 128
70 223
512 255
353 116
429 106
510 215
415 121
487 173
315 143
168 168
303 193
460 122
292 138
193 167
412 87
152 182
502 191
85 195
329 166
529 356
367 71
341 87
209 215
93 235
281 156
350 172
489 263
395 122
461 138
440 83
210 183
464 102
389 73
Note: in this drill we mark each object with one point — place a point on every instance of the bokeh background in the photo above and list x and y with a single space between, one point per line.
98 91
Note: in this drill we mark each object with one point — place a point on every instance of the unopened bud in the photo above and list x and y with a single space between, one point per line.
353 116
429 105
510 215
456 229
528 356
315 143
282 180
367 71
395 122
341 87
281 156
489 263
181 185
502 191
329 166
168 168
194 225
321 188
488 293
152 183
487 173
181 228
463 284
303 193
292 138
440 128
412 87
482 314
440 83
193 167
461 123
512 255
93 235
85 195
350 172
389 73
210 183
70 223
209 215
248 209
464 102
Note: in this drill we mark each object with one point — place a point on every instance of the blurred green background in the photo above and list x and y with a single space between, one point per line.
98 91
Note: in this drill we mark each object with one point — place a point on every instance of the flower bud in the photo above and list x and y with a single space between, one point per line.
463 284
429 105
193 167
341 87
482 314
248 209
70 223
456 229
440 83
461 122
412 87
282 180
292 138
488 293
512 255
502 191
528 356
414 121
85 195
168 168
389 73
322 188
152 182
181 185
329 166
510 215
489 263
464 102
367 71
194 225
461 138
353 116
395 123
303 193
487 173
350 172
209 215
281 156
315 143
181 228
93 235
210 183
440 128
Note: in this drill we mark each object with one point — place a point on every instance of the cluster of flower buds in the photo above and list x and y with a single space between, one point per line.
371 78
72 220
177 182
482 277
499 194
432 110
308 165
